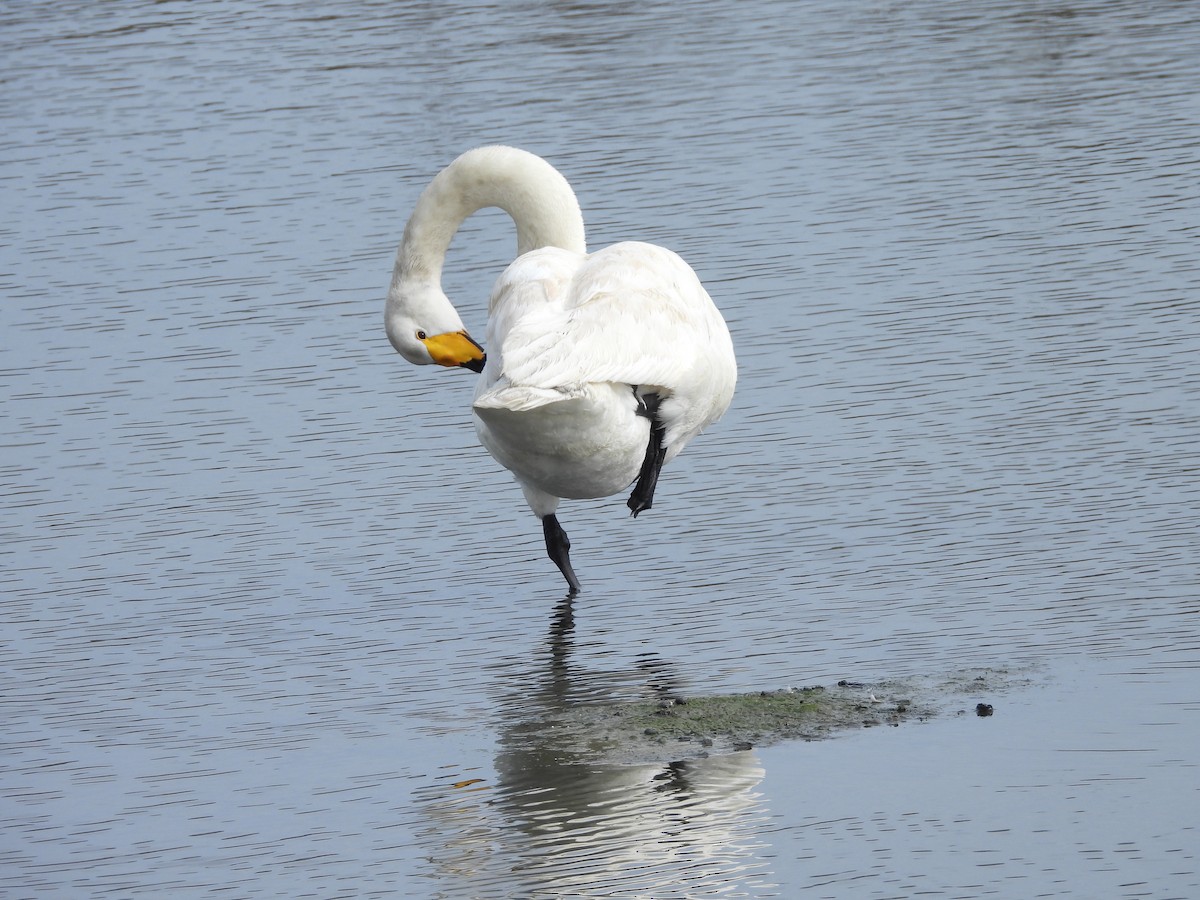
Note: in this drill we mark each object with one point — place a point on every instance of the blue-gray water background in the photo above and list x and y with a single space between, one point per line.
275 625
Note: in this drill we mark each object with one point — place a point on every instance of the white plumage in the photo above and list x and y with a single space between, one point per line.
599 367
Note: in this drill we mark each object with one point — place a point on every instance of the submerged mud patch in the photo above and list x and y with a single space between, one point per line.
680 726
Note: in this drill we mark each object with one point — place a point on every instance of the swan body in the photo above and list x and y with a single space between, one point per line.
599 367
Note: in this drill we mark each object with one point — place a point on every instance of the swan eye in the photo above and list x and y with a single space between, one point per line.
421 335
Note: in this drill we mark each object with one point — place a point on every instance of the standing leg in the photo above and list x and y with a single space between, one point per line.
642 497
558 548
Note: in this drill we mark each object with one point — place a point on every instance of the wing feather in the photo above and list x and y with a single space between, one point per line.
632 313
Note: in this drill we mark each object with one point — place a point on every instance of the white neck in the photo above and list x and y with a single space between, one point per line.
529 189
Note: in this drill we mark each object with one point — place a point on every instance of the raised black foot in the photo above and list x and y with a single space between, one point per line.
558 548
642 497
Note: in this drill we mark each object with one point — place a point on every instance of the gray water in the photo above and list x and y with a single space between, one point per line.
274 624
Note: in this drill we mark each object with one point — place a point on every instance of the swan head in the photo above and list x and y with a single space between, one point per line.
424 328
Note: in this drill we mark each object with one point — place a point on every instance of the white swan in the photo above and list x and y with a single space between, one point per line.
600 367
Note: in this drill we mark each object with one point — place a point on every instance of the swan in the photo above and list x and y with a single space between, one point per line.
600 367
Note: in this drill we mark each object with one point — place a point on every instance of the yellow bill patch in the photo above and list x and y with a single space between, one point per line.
455 348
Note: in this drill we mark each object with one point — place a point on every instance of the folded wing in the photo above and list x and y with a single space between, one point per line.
632 313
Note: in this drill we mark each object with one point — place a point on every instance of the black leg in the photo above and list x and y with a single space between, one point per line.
558 548
642 497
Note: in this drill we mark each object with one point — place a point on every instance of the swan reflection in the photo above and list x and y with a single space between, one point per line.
556 822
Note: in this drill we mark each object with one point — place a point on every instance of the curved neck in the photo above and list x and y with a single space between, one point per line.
529 189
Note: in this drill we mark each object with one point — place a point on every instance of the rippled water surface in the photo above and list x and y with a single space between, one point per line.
274 624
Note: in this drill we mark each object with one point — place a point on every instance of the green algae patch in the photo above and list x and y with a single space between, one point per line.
806 712
678 726
761 713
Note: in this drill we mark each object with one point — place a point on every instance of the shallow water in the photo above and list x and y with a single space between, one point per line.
276 625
